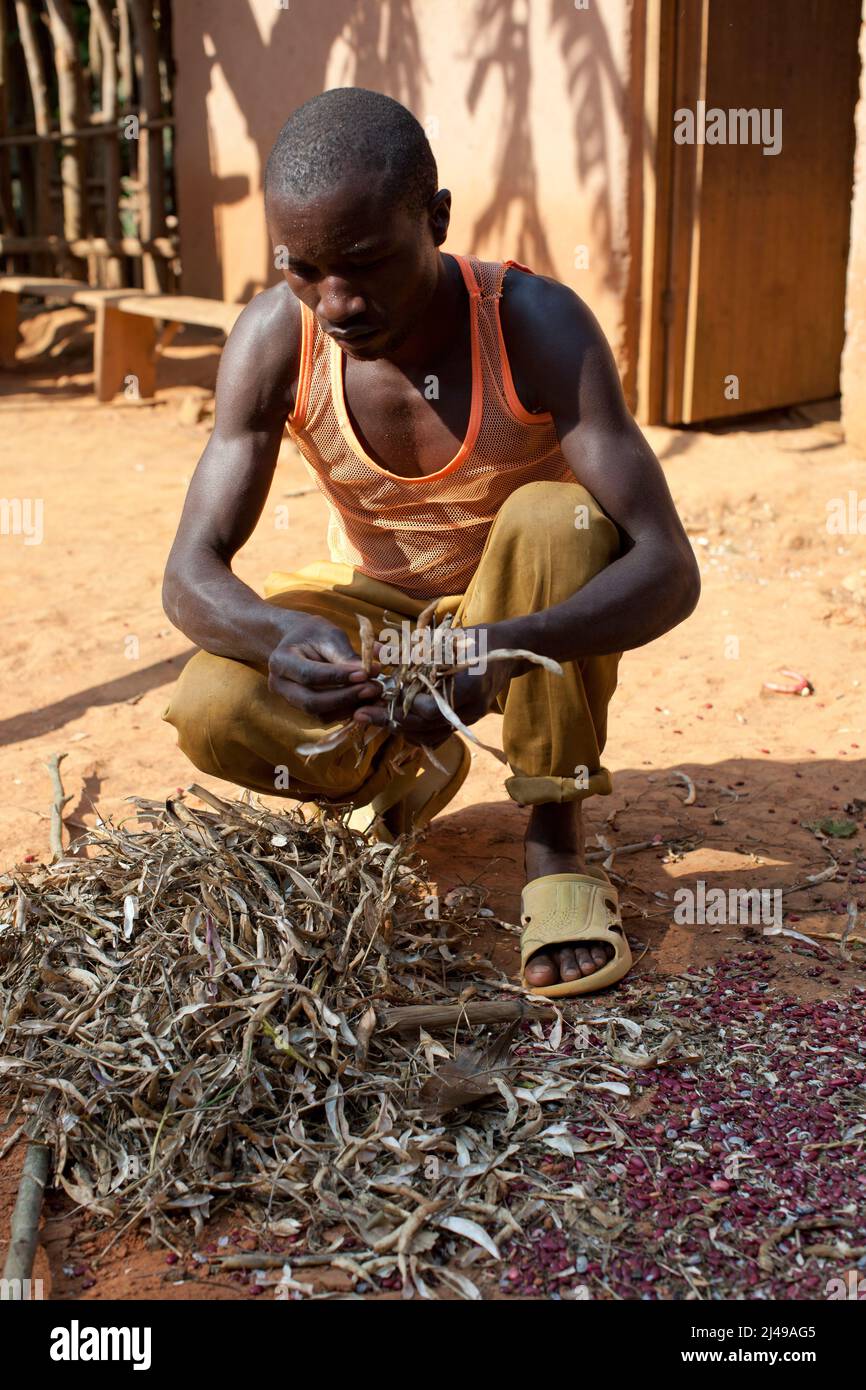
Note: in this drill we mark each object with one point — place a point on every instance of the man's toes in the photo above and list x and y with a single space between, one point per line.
569 964
566 963
586 964
541 971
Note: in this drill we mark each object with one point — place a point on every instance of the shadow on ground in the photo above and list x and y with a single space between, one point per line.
747 829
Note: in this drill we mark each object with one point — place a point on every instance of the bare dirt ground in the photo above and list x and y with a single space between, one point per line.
89 659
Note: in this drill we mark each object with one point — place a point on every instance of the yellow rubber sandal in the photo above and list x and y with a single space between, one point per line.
567 909
419 797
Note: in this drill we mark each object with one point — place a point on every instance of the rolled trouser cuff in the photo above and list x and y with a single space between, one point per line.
536 791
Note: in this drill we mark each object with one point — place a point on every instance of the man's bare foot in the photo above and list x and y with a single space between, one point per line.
553 844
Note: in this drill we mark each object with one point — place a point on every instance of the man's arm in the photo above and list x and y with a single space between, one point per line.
561 355
310 661
229 489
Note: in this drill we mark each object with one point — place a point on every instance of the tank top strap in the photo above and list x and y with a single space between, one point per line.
490 275
305 370
500 396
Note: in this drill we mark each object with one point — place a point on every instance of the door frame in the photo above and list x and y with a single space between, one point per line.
674 76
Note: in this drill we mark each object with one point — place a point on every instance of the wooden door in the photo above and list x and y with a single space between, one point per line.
754 276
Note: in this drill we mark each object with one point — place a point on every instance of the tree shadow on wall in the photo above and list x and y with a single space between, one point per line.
502 39
590 70
502 33
382 51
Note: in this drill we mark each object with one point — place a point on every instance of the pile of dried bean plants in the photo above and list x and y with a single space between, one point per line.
193 1016
198 1017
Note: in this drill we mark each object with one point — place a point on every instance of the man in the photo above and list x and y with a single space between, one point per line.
466 425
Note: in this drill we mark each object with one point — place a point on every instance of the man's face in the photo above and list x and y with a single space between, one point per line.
366 269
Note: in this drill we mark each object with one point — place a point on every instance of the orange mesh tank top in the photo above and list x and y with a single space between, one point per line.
424 535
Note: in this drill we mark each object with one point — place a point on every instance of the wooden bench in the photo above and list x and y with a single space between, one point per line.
128 344
41 287
127 341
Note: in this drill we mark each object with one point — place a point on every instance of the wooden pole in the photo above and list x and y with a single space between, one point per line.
70 99
7 209
166 56
42 157
85 132
24 1226
412 1017
124 55
165 247
151 198
94 47
22 163
103 27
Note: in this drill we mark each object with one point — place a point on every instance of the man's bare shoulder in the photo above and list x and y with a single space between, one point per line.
538 306
262 356
554 341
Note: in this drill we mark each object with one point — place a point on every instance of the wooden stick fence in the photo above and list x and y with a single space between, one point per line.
77 213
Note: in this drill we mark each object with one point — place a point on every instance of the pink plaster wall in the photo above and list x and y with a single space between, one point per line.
526 105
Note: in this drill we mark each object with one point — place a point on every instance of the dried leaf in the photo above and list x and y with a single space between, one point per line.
461 1226
469 1077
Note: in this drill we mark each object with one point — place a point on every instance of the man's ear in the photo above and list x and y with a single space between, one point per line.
439 214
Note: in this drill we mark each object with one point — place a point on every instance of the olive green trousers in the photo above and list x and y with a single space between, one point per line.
546 542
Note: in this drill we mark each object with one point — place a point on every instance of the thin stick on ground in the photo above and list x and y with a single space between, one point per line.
60 800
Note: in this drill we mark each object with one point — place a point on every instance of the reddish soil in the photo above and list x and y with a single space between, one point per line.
90 659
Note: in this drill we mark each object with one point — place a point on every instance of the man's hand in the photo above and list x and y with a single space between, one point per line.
315 668
474 695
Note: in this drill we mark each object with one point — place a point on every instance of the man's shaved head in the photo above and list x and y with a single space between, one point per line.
346 132
356 218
